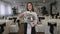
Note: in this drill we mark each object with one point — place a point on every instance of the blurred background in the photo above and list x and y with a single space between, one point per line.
48 12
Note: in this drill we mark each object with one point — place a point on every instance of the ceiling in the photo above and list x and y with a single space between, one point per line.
22 2
18 1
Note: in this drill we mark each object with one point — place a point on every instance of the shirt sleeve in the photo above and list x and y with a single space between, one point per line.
22 13
36 18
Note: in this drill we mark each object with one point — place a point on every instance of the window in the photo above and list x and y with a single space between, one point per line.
5 9
9 10
2 9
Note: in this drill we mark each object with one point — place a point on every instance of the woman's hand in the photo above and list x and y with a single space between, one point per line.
35 23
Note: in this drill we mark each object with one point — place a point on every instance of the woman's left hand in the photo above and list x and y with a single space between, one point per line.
35 24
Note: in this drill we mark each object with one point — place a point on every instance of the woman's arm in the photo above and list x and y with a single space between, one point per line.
35 21
20 15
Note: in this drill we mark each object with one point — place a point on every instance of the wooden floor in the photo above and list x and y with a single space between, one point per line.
21 30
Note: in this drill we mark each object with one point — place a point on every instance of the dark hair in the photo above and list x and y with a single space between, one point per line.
32 6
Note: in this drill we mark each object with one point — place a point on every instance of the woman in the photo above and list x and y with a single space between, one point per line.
29 29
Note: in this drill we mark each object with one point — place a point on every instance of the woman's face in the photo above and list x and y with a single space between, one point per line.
29 6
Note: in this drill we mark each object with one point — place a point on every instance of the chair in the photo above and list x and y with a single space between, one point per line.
2 27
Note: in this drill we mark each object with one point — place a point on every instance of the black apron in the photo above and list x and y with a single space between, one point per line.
32 29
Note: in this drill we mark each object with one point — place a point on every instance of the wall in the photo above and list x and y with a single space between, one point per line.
44 4
58 6
47 5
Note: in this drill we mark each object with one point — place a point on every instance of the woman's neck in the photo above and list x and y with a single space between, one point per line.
30 10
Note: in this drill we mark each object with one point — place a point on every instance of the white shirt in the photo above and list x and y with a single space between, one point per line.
31 24
34 14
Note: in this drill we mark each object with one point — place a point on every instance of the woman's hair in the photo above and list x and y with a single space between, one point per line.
32 6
